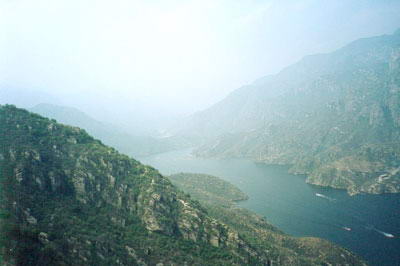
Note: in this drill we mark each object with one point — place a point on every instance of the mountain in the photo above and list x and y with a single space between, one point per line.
67 199
219 196
109 134
334 117
24 97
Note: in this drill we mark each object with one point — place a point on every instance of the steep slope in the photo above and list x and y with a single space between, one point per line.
334 117
66 199
109 134
253 228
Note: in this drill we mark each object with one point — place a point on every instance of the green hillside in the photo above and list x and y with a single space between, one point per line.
218 198
67 199
208 189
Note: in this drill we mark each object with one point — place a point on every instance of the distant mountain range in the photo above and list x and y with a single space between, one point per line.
334 117
136 146
67 199
24 97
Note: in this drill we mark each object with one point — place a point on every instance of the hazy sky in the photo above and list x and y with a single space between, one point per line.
171 56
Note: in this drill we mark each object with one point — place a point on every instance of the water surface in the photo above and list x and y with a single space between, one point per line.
292 205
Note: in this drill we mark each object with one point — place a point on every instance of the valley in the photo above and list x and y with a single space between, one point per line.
291 205
204 133
67 199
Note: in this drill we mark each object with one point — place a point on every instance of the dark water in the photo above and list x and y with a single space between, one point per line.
292 205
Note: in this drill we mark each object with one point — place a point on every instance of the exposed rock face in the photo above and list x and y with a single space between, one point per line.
315 115
66 199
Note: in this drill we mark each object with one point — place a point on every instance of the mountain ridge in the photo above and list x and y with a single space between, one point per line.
134 145
317 115
67 199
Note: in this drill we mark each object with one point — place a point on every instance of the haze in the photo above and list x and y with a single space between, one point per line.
136 61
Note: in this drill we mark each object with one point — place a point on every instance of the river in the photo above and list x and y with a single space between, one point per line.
358 223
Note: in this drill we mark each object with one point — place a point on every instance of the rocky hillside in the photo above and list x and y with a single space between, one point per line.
67 199
334 117
252 227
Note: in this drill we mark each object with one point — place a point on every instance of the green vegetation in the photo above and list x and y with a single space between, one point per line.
263 237
67 199
208 189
